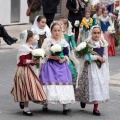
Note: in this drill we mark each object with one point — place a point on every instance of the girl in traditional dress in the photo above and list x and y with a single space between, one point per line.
93 84
86 25
27 86
69 36
98 14
40 27
55 73
105 22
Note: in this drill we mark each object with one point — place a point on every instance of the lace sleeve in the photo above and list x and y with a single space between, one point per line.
46 47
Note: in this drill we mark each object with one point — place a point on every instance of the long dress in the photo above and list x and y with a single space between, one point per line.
26 84
93 84
72 44
55 77
105 23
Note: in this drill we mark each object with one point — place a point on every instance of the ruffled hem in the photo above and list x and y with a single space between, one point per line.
59 94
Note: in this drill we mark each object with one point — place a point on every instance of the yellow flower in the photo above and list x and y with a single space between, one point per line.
85 23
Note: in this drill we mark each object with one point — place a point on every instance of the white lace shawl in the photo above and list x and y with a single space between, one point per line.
23 50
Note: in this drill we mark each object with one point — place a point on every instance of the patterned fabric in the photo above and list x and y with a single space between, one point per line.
27 86
82 92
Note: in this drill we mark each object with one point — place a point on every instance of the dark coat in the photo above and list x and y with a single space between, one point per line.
50 6
36 5
71 6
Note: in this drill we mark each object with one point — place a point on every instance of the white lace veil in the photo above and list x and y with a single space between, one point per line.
23 36
90 34
36 30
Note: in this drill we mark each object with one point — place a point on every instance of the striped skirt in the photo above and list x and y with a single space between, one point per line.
27 86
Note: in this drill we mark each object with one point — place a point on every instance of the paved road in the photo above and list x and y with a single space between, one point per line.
9 110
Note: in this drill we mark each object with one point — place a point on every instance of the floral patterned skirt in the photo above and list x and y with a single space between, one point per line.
82 92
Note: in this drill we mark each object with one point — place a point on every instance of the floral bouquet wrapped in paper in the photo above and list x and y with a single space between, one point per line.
37 54
57 50
77 23
111 29
83 48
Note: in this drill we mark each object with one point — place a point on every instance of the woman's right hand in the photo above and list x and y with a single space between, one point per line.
76 11
35 61
101 59
55 57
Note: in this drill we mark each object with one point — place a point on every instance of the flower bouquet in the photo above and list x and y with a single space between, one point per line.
76 24
86 3
111 30
57 50
83 48
38 53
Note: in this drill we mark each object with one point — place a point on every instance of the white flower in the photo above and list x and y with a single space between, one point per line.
85 0
38 53
81 46
111 29
77 23
56 48
118 8
36 37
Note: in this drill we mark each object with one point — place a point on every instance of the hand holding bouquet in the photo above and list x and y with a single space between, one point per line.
57 50
37 54
83 48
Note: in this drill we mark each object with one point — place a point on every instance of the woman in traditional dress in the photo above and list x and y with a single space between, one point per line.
26 84
93 84
55 73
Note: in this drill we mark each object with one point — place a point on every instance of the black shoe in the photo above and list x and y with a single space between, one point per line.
82 104
21 104
96 112
45 109
27 113
65 112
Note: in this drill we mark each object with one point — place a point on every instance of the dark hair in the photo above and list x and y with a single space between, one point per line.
98 8
97 27
54 24
29 34
39 18
104 10
87 11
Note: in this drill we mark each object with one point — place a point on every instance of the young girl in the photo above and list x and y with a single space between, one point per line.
26 84
86 25
55 74
98 14
105 22
39 27
93 84
69 36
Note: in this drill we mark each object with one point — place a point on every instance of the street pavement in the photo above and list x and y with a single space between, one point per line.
9 110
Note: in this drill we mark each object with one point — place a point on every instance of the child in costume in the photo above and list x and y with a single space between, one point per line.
86 25
56 76
93 84
26 84
105 24
69 36
40 27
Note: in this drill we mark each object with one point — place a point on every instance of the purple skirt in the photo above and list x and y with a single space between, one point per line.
54 73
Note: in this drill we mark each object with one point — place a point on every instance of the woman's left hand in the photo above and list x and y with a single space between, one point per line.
62 60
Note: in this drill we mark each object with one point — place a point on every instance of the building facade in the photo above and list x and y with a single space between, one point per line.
14 11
